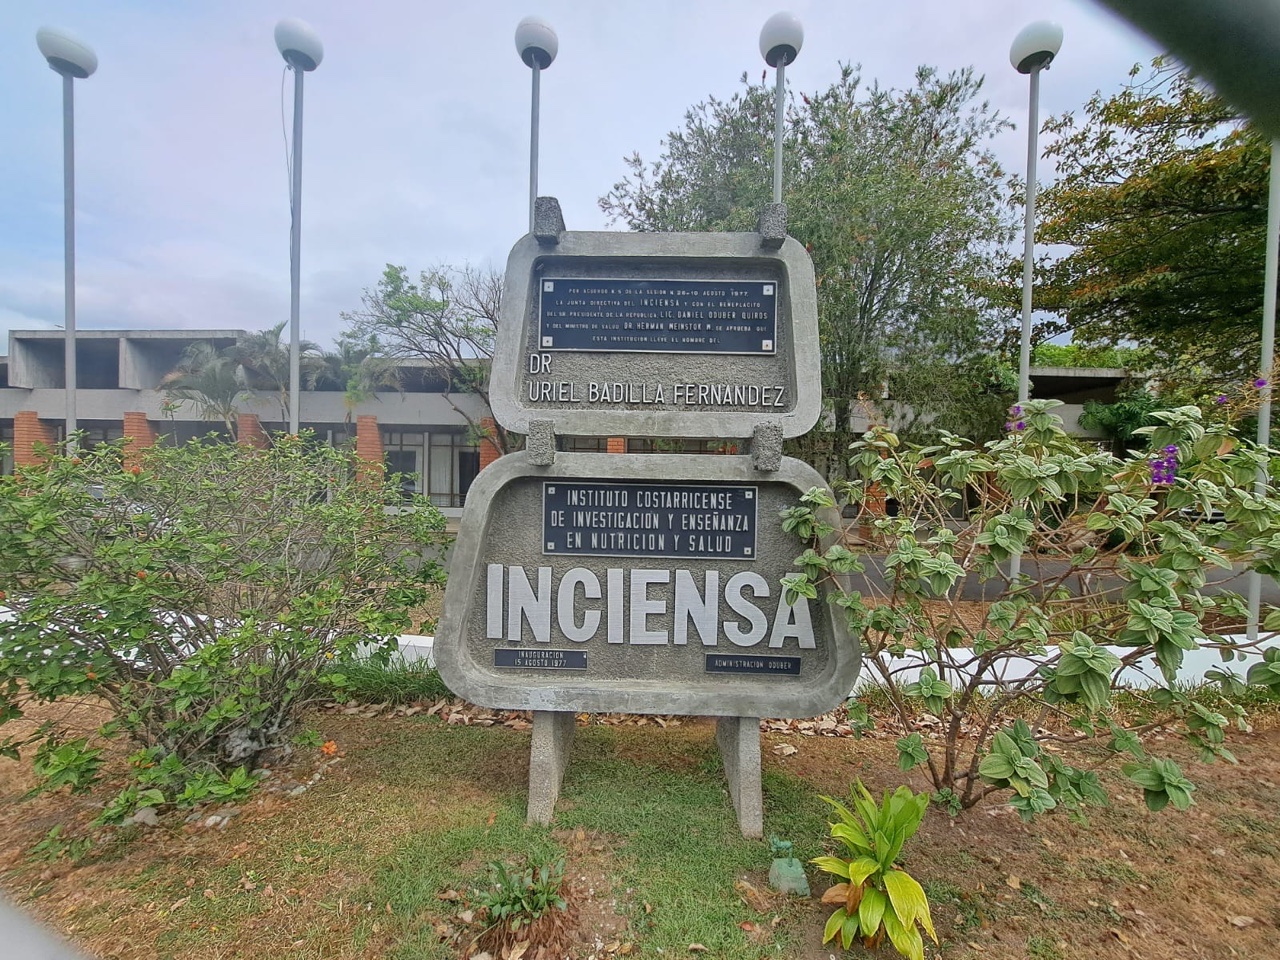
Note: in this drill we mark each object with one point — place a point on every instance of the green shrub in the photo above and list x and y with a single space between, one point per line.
206 596
1114 554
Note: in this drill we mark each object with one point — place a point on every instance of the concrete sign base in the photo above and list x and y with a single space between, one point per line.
738 739
548 755
739 742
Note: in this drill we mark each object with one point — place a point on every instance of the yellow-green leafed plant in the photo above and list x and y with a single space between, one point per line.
877 898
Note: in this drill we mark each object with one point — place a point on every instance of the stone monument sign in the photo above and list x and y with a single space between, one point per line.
646 583
658 335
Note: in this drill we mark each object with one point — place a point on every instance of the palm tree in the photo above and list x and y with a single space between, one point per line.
355 368
264 358
208 380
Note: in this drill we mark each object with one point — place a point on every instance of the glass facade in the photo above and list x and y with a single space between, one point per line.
441 465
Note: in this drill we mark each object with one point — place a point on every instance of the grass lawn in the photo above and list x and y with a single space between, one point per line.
378 857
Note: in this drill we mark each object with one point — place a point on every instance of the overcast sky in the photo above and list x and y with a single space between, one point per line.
416 136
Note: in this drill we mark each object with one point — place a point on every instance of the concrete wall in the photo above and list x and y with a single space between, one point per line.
401 409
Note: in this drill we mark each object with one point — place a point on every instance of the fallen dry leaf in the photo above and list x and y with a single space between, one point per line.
753 896
1013 881
1242 922
785 750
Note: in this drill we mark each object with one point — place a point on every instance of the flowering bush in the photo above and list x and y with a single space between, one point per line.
1114 560
200 595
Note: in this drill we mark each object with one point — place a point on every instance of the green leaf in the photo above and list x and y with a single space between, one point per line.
906 940
996 767
833 865
834 923
871 911
909 901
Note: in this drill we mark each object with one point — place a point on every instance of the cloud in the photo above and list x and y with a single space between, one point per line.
415 146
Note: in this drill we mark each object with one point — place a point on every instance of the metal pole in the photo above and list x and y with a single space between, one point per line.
1268 359
1029 239
69 252
779 107
295 257
533 142
1028 247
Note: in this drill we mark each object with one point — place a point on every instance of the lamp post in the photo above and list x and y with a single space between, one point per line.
1268 359
537 45
1033 50
780 40
302 51
73 60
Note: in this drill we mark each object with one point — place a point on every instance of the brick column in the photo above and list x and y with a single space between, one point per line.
489 451
28 432
250 433
369 447
616 445
138 435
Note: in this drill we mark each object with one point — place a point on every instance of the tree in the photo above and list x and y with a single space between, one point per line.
356 369
900 202
449 317
210 381
264 358
1162 196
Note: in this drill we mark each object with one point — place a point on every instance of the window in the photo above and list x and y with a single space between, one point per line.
584 444
94 434
454 463
678 445
6 439
403 452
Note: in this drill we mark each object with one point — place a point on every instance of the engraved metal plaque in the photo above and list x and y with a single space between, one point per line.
539 658
611 519
744 663
658 316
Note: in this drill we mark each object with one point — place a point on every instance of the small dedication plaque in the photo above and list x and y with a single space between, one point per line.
639 519
658 316
539 658
745 663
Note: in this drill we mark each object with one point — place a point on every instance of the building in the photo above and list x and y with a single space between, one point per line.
421 430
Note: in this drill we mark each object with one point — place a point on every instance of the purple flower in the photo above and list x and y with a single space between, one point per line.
1171 449
1220 399
1164 470
1260 382
1015 410
1020 425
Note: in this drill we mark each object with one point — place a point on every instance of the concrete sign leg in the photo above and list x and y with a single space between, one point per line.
739 742
548 754
766 446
